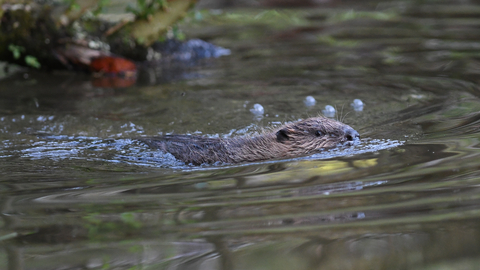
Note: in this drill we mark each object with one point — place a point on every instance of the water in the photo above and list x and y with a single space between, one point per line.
79 192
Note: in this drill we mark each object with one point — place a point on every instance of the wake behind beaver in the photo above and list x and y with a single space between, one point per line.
291 140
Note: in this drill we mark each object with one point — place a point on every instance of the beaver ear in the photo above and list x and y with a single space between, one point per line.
282 135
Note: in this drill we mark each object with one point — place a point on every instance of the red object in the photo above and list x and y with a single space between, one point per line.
112 65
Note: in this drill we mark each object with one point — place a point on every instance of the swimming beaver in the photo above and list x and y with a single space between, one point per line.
291 140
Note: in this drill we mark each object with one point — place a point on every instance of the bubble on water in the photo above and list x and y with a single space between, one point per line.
360 215
329 111
257 109
309 101
357 105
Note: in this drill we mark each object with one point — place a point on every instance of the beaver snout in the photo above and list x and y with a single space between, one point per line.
351 135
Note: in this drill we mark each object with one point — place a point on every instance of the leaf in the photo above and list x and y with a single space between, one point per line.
16 50
32 61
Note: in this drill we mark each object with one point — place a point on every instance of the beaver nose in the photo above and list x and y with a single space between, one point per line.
351 134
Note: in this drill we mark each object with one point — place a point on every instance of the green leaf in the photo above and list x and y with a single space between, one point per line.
16 50
32 61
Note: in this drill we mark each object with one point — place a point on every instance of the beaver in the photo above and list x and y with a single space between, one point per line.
290 140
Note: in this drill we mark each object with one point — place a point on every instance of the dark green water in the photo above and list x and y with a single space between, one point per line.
76 192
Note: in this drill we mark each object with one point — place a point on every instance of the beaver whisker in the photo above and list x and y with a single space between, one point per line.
345 116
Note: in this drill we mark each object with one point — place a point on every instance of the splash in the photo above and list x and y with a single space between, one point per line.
366 145
134 152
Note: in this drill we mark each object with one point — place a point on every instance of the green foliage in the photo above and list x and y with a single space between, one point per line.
173 32
100 7
32 61
146 8
177 33
16 50
72 4
29 60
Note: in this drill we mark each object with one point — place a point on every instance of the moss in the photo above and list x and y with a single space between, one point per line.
32 37
28 37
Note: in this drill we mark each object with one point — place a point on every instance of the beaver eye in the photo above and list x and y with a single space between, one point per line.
318 133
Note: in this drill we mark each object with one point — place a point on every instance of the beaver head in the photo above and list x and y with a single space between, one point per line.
313 134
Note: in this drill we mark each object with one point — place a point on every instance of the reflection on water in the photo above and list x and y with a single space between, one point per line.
79 192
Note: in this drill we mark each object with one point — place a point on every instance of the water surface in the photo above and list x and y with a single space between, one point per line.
78 192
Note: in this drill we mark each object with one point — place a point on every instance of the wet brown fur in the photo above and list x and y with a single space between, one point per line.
291 140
